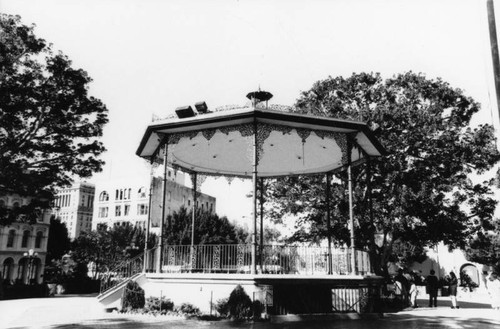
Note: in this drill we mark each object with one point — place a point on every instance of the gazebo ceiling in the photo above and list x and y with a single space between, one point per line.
222 143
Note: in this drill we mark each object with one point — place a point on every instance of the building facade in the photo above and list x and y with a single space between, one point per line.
74 206
118 202
23 244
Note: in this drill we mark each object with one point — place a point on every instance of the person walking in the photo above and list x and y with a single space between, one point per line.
413 291
432 288
401 284
453 289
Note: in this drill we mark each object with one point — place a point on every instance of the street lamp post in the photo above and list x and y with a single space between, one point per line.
31 255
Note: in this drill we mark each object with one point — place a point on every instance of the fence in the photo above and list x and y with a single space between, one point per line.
271 259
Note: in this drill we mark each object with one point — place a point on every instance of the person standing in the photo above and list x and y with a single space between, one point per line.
453 289
432 288
413 292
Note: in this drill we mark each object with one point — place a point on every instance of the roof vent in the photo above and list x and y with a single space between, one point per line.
184 112
201 107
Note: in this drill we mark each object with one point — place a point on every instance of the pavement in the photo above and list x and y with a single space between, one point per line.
86 312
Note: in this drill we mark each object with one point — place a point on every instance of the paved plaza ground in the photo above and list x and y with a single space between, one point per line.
85 312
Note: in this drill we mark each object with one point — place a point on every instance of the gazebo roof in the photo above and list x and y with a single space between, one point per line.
222 143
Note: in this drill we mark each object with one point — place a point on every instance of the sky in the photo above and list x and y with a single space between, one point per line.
149 57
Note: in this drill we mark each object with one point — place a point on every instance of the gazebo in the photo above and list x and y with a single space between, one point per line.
257 142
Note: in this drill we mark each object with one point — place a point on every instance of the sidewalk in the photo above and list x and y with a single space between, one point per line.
86 311
49 311
476 309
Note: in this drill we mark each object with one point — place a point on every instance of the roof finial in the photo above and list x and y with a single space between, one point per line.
259 96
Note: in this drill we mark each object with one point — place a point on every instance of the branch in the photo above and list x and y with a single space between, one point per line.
37 163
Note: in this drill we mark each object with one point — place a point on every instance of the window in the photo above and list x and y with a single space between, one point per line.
103 212
2 203
126 210
38 239
128 193
24 241
169 196
142 209
15 205
7 268
83 201
118 211
189 202
121 194
10 238
104 196
142 192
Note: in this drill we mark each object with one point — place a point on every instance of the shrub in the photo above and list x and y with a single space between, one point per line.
157 304
222 307
133 296
190 309
240 305
257 308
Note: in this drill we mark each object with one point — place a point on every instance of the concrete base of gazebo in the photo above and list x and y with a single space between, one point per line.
277 294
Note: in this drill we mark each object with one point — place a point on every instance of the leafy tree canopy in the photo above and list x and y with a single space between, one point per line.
421 191
108 247
209 229
49 124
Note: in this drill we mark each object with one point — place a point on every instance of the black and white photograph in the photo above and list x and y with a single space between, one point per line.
249 164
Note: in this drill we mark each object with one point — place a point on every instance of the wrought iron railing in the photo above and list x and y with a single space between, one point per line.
271 259
126 269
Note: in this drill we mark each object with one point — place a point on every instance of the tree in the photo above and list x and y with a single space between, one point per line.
420 192
484 247
59 242
107 248
49 124
209 229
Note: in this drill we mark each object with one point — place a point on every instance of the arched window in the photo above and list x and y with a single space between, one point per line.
8 265
104 196
142 192
2 203
38 240
469 274
34 270
11 238
22 269
15 205
26 236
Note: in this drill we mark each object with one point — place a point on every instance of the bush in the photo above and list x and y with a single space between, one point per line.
187 308
133 296
222 307
157 304
240 305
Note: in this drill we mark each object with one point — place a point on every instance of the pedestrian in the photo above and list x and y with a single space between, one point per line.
401 284
494 290
413 291
453 289
432 288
